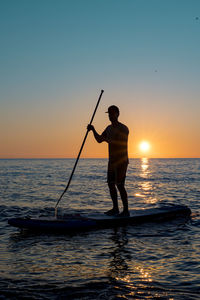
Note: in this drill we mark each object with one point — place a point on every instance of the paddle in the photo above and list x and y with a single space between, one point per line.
70 178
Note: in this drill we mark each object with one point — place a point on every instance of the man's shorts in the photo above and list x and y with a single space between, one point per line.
117 174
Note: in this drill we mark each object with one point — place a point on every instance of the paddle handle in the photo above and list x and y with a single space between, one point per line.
70 178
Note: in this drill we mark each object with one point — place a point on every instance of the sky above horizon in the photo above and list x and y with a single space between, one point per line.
56 56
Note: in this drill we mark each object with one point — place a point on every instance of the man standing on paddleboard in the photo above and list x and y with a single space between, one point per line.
116 135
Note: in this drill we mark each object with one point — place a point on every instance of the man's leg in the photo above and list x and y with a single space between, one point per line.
113 191
121 176
113 194
124 198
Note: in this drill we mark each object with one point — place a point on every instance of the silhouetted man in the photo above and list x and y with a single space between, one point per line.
116 135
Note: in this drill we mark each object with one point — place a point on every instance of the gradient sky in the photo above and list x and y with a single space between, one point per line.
56 56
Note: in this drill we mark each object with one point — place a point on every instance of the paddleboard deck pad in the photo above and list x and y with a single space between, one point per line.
71 223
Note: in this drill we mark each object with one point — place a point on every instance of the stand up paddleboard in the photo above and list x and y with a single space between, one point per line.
76 223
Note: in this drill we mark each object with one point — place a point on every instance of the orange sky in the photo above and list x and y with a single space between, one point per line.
57 132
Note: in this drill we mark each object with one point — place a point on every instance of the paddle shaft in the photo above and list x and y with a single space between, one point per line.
70 178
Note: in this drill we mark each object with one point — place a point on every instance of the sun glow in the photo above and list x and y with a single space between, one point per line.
144 146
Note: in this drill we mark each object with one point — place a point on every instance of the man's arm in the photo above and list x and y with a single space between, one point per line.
98 138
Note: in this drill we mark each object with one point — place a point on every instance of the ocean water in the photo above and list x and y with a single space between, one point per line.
148 261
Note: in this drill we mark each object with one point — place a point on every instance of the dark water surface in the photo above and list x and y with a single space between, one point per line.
150 261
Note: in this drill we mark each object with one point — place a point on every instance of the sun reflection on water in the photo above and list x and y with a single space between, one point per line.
144 167
144 276
145 186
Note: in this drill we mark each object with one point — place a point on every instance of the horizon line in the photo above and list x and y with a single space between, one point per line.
1 158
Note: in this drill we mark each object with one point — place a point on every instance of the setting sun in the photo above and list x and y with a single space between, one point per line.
144 146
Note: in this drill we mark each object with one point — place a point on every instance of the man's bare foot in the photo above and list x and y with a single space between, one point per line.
112 212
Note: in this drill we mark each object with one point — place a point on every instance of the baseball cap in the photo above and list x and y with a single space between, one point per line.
113 108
